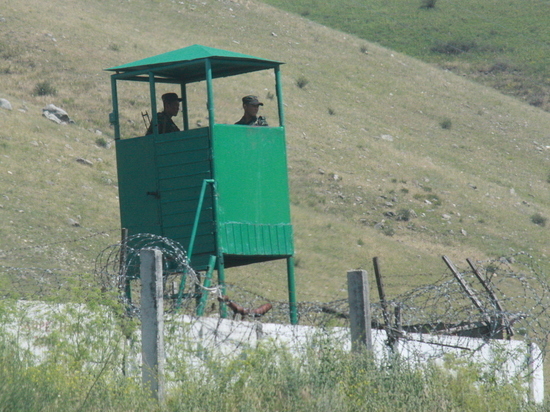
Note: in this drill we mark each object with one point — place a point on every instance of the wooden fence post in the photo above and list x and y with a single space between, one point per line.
152 322
359 310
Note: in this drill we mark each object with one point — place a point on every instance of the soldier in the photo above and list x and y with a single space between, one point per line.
251 104
171 104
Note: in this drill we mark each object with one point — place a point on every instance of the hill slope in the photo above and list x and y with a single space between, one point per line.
461 168
499 44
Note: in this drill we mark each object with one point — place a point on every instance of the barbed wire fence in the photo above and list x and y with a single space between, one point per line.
512 304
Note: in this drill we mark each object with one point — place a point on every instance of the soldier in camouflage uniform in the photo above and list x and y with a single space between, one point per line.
171 104
251 105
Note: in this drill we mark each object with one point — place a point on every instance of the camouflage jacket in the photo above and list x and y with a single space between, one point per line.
257 121
166 124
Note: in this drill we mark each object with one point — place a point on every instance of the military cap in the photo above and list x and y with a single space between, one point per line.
170 97
253 100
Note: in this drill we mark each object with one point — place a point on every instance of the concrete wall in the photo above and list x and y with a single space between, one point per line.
190 339
504 359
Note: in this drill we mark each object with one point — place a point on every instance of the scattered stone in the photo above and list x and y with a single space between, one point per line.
50 36
446 217
464 233
5 104
55 114
73 222
387 137
84 161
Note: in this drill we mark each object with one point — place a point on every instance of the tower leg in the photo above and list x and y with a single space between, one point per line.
221 283
292 291
207 281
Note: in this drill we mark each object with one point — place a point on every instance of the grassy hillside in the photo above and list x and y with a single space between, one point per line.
502 44
388 156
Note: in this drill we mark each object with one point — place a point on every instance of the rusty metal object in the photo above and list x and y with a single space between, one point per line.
239 310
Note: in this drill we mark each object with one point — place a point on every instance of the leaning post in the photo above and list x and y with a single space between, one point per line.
359 310
152 322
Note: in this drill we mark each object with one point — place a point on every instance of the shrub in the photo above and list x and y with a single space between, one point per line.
453 47
501 66
388 231
446 123
428 4
538 219
331 111
302 82
45 89
101 142
404 215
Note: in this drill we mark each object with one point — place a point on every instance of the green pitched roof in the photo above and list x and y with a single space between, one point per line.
187 65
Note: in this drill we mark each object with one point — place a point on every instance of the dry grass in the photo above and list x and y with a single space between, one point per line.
384 144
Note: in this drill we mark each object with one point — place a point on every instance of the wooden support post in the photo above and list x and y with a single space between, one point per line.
152 322
498 334
469 292
359 310
503 319
387 323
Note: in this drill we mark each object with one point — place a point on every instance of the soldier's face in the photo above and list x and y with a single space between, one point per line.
172 108
251 109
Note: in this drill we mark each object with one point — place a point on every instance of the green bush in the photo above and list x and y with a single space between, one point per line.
454 47
79 368
101 142
428 4
446 123
302 82
403 215
45 89
82 370
538 219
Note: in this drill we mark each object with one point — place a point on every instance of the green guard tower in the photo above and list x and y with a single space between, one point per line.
220 190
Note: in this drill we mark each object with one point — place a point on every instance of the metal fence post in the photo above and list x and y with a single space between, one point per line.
359 310
152 322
